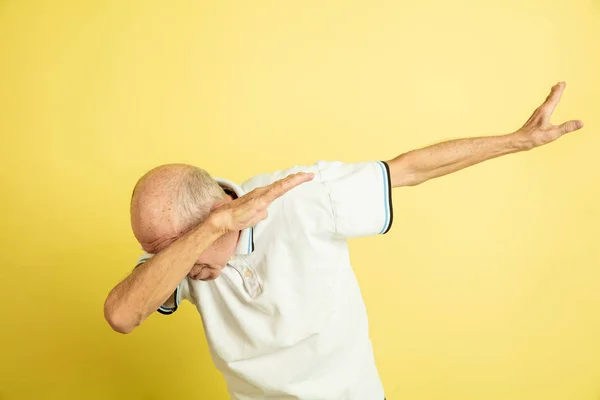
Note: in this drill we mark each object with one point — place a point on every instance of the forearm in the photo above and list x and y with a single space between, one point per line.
418 166
152 283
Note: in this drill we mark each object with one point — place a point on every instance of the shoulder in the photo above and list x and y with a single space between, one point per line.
316 189
324 171
265 179
329 175
355 196
312 189
304 205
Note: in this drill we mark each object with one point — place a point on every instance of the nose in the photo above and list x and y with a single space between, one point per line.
211 274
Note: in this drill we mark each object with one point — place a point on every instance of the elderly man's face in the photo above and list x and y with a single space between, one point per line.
156 225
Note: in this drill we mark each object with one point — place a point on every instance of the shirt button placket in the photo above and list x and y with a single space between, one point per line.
248 277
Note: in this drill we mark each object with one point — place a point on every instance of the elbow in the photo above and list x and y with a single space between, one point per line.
410 180
406 178
118 319
402 172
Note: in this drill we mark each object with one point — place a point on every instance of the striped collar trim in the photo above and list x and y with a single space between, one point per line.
245 243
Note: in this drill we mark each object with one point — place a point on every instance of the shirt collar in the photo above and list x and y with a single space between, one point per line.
245 243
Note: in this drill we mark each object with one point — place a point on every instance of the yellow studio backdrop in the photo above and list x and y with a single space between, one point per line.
487 286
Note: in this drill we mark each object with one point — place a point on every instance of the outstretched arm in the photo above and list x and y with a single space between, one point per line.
418 166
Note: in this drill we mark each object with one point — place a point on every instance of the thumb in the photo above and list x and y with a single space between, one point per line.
570 126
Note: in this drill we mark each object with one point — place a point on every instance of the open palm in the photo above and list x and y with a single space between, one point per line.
538 130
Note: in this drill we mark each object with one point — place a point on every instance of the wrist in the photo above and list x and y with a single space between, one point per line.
521 141
210 228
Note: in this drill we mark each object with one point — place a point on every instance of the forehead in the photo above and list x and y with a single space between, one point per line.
153 218
154 234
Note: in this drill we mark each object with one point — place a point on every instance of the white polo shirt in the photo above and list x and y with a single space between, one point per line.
286 319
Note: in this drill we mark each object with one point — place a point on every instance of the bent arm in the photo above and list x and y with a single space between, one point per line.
152 283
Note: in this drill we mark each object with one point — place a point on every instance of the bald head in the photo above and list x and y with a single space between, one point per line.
170 199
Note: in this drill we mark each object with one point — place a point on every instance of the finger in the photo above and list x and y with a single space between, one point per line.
282 186
570 126
553 99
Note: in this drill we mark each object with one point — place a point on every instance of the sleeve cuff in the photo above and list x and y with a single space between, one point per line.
387 197
170 310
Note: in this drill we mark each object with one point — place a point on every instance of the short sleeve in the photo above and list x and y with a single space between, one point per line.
181 290
360 196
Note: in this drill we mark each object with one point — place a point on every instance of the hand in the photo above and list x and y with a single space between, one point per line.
251 208
538 130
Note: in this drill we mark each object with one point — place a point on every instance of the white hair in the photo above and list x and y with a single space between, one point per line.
197 193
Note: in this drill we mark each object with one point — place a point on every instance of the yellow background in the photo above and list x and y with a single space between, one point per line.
487 286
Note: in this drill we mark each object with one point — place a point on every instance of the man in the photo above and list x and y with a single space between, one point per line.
281 307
